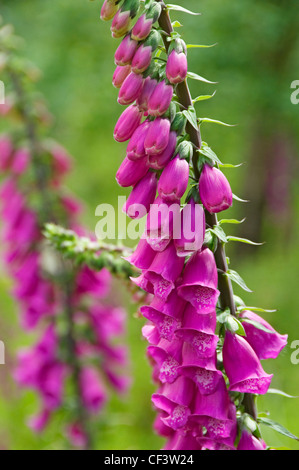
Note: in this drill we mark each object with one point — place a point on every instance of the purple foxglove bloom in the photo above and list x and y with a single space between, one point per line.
199 331
92 282
166 316
207 443
192 229
160 160
267 345
213 412
182 441
167 356
249 442
6 150
143 256
157 137
142 28
143 283
125 52
121 23
149 85
108 322
135 149
159 223
50 383
201 370
242 366
160 99
127 124
109 9
120 74
199 283
175 400
177 67
161 428
20 162
93 392
214 190
130 89
142 59
164 271
142 196
130 172
39 422
174 180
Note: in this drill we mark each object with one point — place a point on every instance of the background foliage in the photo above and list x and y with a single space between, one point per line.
254 63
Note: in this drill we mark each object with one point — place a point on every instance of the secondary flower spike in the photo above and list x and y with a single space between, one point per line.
242 366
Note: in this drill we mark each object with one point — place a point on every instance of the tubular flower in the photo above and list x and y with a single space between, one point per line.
200 375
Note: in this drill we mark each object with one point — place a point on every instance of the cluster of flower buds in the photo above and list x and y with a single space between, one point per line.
83 347
199 373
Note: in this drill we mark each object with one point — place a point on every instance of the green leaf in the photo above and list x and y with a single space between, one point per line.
194 76
235 277
243 240
215 121
231 221
190 114
191 46
234 325
179 8
275 391
277 427
203 98
236 198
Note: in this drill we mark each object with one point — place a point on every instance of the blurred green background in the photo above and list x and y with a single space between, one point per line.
255 61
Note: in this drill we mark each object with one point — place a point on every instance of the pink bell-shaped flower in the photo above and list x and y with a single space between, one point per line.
177 67
142 196
160 99
242 366
174 179
127 123
125 52
192 229
164 271
135 149
130 89
250 442
214 190
157 137
131 172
